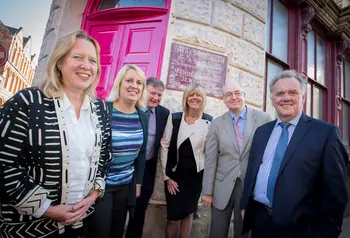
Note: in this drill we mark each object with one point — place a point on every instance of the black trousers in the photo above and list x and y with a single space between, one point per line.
265 227
109 218
71 233
135 225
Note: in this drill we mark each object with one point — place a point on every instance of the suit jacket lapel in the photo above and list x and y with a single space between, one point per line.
158 124
300 130
229 129
250 122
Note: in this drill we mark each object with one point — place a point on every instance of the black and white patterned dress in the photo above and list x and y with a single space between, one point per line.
34 161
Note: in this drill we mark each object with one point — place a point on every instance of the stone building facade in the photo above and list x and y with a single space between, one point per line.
258 38
18 71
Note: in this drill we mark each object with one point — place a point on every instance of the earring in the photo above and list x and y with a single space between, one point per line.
59 73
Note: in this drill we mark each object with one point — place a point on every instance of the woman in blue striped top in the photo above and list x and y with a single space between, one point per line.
129 133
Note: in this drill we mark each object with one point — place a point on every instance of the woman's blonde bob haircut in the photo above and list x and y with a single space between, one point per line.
52 85
115 92
190 88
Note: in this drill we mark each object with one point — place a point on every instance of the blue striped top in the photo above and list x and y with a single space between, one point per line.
127 139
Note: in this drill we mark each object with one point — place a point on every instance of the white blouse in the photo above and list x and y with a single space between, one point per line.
81 143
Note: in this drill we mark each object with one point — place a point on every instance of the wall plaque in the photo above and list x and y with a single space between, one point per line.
188 64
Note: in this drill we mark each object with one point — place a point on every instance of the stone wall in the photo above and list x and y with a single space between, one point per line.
65 16
234 28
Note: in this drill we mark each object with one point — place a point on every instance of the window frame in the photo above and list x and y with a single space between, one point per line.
343 98
269 55
318 31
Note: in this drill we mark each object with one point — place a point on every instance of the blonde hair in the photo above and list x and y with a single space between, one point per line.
52 84
190 88
115 92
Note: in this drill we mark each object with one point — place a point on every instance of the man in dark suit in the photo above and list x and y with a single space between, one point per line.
295 185
158 116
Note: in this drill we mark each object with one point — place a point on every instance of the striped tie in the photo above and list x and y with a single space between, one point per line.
239 135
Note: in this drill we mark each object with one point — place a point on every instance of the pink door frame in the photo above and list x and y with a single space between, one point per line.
126 15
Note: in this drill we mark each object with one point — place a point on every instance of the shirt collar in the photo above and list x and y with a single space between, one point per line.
242 114
293 122
65 103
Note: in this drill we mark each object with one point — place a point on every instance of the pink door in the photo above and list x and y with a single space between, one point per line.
109 37
142 46
129 32
127 43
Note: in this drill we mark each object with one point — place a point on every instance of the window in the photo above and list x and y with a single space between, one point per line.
316 72
276 46
345 96
107 4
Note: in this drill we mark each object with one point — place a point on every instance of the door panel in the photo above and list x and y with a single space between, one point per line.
109 37
143 41
133 43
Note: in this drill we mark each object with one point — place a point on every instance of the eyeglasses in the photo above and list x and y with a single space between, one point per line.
237 94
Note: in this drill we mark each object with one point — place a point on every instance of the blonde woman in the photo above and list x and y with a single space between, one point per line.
182 157
54 146
129 141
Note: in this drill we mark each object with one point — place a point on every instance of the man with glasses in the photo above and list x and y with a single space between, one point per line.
227 151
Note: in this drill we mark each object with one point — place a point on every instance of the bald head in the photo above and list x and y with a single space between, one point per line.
232 86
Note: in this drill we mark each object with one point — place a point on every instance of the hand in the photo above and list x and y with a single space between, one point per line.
62 213
138 190
242 214
82 208
207 200
172 186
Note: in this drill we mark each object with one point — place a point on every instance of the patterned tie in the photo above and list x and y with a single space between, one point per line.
277 160
239 135
148 112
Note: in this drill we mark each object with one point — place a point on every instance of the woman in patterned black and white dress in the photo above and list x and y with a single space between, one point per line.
54 146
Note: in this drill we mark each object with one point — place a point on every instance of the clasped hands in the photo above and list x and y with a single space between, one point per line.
70 214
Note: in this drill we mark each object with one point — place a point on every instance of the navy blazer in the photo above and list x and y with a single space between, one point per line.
310 192
162 115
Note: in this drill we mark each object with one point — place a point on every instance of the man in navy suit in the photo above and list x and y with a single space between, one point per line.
158 117
295 185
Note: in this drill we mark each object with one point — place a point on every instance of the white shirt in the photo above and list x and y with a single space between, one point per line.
81 144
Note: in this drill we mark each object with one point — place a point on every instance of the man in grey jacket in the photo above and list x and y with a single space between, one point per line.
227 151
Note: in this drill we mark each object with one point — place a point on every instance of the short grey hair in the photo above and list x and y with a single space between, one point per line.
154 82
190 88
289 74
